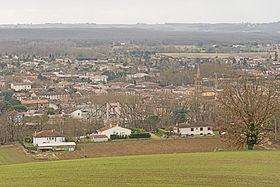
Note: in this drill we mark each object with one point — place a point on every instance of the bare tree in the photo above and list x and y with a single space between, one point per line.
245 109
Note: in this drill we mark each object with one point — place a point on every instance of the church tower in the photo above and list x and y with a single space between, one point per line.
198 81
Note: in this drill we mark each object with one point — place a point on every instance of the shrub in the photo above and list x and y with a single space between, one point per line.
137 131
140 135
162 131
20 108
115 136
51 112
69 139
27 139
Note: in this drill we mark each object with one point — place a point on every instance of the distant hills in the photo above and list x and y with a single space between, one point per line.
183 27
87 34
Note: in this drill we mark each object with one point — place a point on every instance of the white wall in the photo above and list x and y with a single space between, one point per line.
116 130
196 130
48 140
100 139
77 114
21 87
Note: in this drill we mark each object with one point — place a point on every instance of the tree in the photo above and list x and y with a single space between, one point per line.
245 110
152 120
180 115
7 95
20 108
275 56
14 102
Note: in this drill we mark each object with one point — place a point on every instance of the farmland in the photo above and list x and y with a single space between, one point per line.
144 147
248 168
214 55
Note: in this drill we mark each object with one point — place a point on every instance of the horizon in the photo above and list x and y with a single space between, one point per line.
164 23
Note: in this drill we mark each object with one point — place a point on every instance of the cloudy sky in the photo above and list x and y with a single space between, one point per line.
138 11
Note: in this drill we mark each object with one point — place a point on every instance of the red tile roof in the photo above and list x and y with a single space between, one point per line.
35 102
47 133
105 128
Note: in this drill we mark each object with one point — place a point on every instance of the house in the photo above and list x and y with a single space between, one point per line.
190 129
99 138
20 86
113 129
54 95
79 114
52 140
35 104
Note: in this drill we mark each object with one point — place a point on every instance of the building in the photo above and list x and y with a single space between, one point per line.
35 104
99 138
190 129
20 86
79 114
113 129
51 140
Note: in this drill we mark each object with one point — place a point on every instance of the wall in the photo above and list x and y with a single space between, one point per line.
116 130
47 140
196 131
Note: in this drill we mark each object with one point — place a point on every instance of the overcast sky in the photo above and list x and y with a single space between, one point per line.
138 11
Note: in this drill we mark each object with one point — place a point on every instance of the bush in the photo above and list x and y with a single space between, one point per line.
27 139
115 136
140 135
51 112
69 139
137 131
20 108
162 131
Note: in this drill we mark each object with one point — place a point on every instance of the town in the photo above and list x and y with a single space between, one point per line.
173 90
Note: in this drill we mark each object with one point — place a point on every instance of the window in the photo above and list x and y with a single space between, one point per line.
192 129
201 128
209 128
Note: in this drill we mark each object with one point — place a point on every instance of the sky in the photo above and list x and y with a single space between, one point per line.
138 11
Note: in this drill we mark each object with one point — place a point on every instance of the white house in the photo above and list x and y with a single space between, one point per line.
79 114
20 86
190 129
51 140
99 138
113 129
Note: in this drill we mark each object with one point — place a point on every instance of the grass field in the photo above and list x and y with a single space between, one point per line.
13 154
254 168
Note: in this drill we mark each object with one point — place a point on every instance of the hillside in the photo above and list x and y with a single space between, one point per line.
13 154
254 168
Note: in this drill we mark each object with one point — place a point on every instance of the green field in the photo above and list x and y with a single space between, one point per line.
254 168
199 55
13 154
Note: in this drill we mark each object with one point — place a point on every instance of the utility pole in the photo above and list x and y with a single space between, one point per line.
85 144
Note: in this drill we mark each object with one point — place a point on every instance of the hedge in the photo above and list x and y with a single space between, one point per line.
115 136
140 135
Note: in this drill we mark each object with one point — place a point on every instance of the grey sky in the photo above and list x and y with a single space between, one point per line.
138 11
